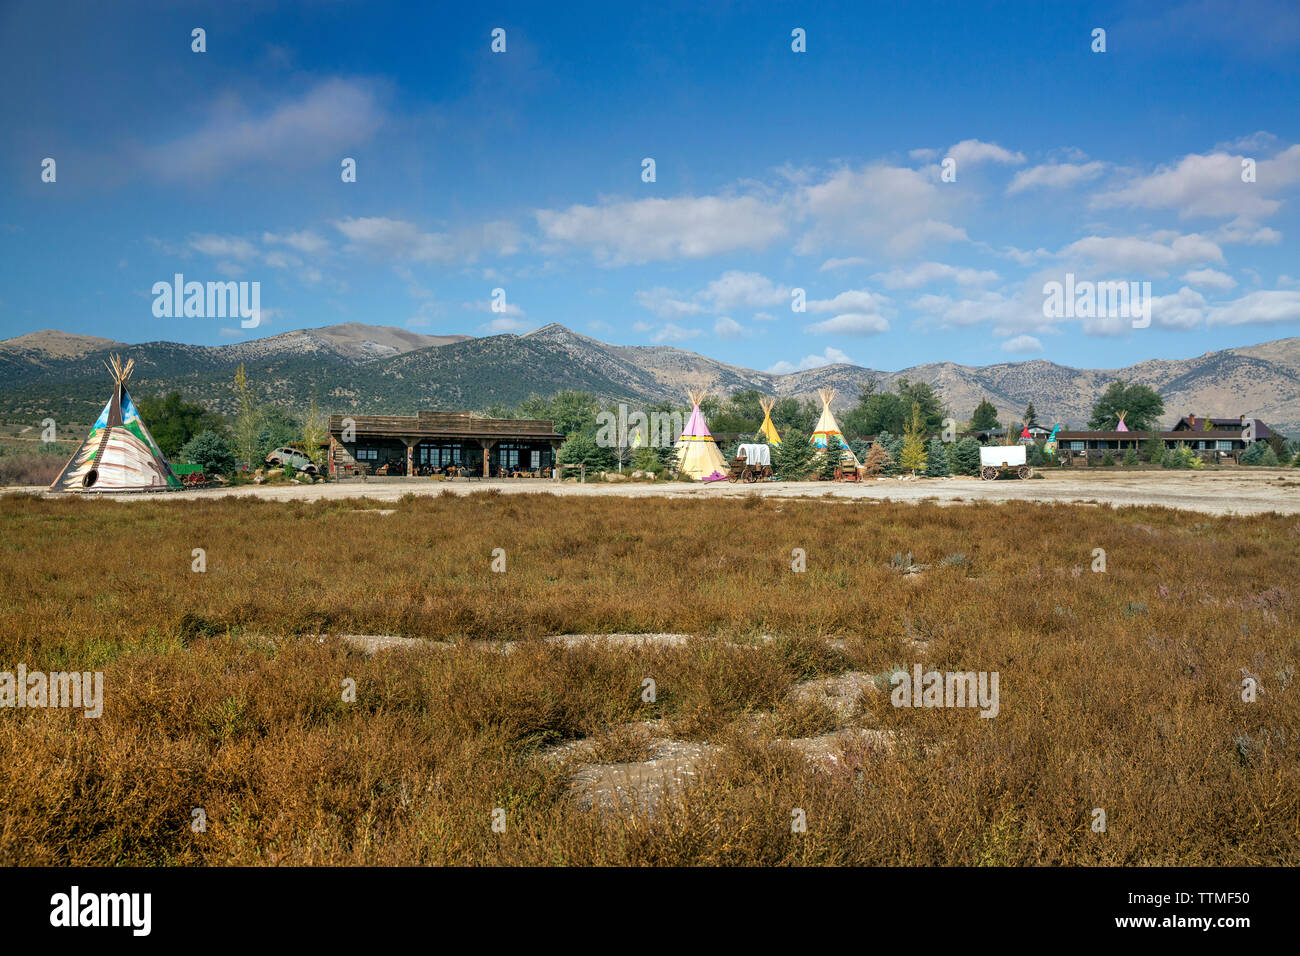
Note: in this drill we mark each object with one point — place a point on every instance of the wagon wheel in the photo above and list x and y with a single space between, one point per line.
1024 471
751 475
988 473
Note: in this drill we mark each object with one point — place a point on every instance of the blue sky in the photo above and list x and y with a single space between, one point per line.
775 171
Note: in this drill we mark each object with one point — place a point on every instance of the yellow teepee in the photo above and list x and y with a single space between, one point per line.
768 429
827 426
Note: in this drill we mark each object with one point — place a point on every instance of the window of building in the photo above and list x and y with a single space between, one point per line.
1222 445
440 456
367 454
1078 445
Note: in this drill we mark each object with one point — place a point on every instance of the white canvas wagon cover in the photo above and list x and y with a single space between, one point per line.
1010 456
756 454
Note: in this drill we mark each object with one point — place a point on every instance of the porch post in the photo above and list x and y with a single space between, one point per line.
410 456
488 444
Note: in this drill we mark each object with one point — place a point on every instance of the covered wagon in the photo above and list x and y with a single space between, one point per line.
997 460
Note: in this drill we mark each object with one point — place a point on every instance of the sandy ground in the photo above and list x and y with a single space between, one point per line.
1244 491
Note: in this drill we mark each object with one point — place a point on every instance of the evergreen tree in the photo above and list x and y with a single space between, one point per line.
985 417
793 458
1130 458
878 461
210 450
828 459
936 459
1031 417
964 457
1259 453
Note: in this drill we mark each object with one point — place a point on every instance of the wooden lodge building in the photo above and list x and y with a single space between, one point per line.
1213 439
441 443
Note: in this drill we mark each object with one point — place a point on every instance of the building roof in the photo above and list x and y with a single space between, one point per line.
433 424
1201 423
1184 435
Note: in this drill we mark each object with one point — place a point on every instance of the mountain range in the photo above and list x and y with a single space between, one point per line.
366 368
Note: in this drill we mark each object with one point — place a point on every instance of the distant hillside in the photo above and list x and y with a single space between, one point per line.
363 368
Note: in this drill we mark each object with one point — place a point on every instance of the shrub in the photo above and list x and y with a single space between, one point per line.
892 445
964 457
1181 457
878 460
211 451
27 468
794 456
1259 453
1107 459
828 459
936 460
1130 458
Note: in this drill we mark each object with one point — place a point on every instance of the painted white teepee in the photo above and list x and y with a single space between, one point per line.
697 452
827 426
119 454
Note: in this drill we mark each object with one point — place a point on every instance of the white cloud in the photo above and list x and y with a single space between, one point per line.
667 304
851 323
1022 344
506 308
971 151
743 290
889 208
1185 309
1011 315
404 241
671 332
1243 232
831 356
1210 185
928 272
730 292
324 123
728 328
854 300
1267 307
831 264
505 324
650 230
1210 279
224 247
1054 176
1131 254
281 260
304 241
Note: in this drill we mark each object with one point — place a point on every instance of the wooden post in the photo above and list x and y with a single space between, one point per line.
488 444
410 456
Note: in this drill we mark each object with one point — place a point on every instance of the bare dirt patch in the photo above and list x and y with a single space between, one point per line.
1243 491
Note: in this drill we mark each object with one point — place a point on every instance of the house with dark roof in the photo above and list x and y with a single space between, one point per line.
1212 439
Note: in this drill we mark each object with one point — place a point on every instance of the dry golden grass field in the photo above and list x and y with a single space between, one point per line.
224 690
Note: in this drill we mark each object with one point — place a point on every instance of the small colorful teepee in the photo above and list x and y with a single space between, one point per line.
768 429
697 452
119 454
827 426
1121 427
